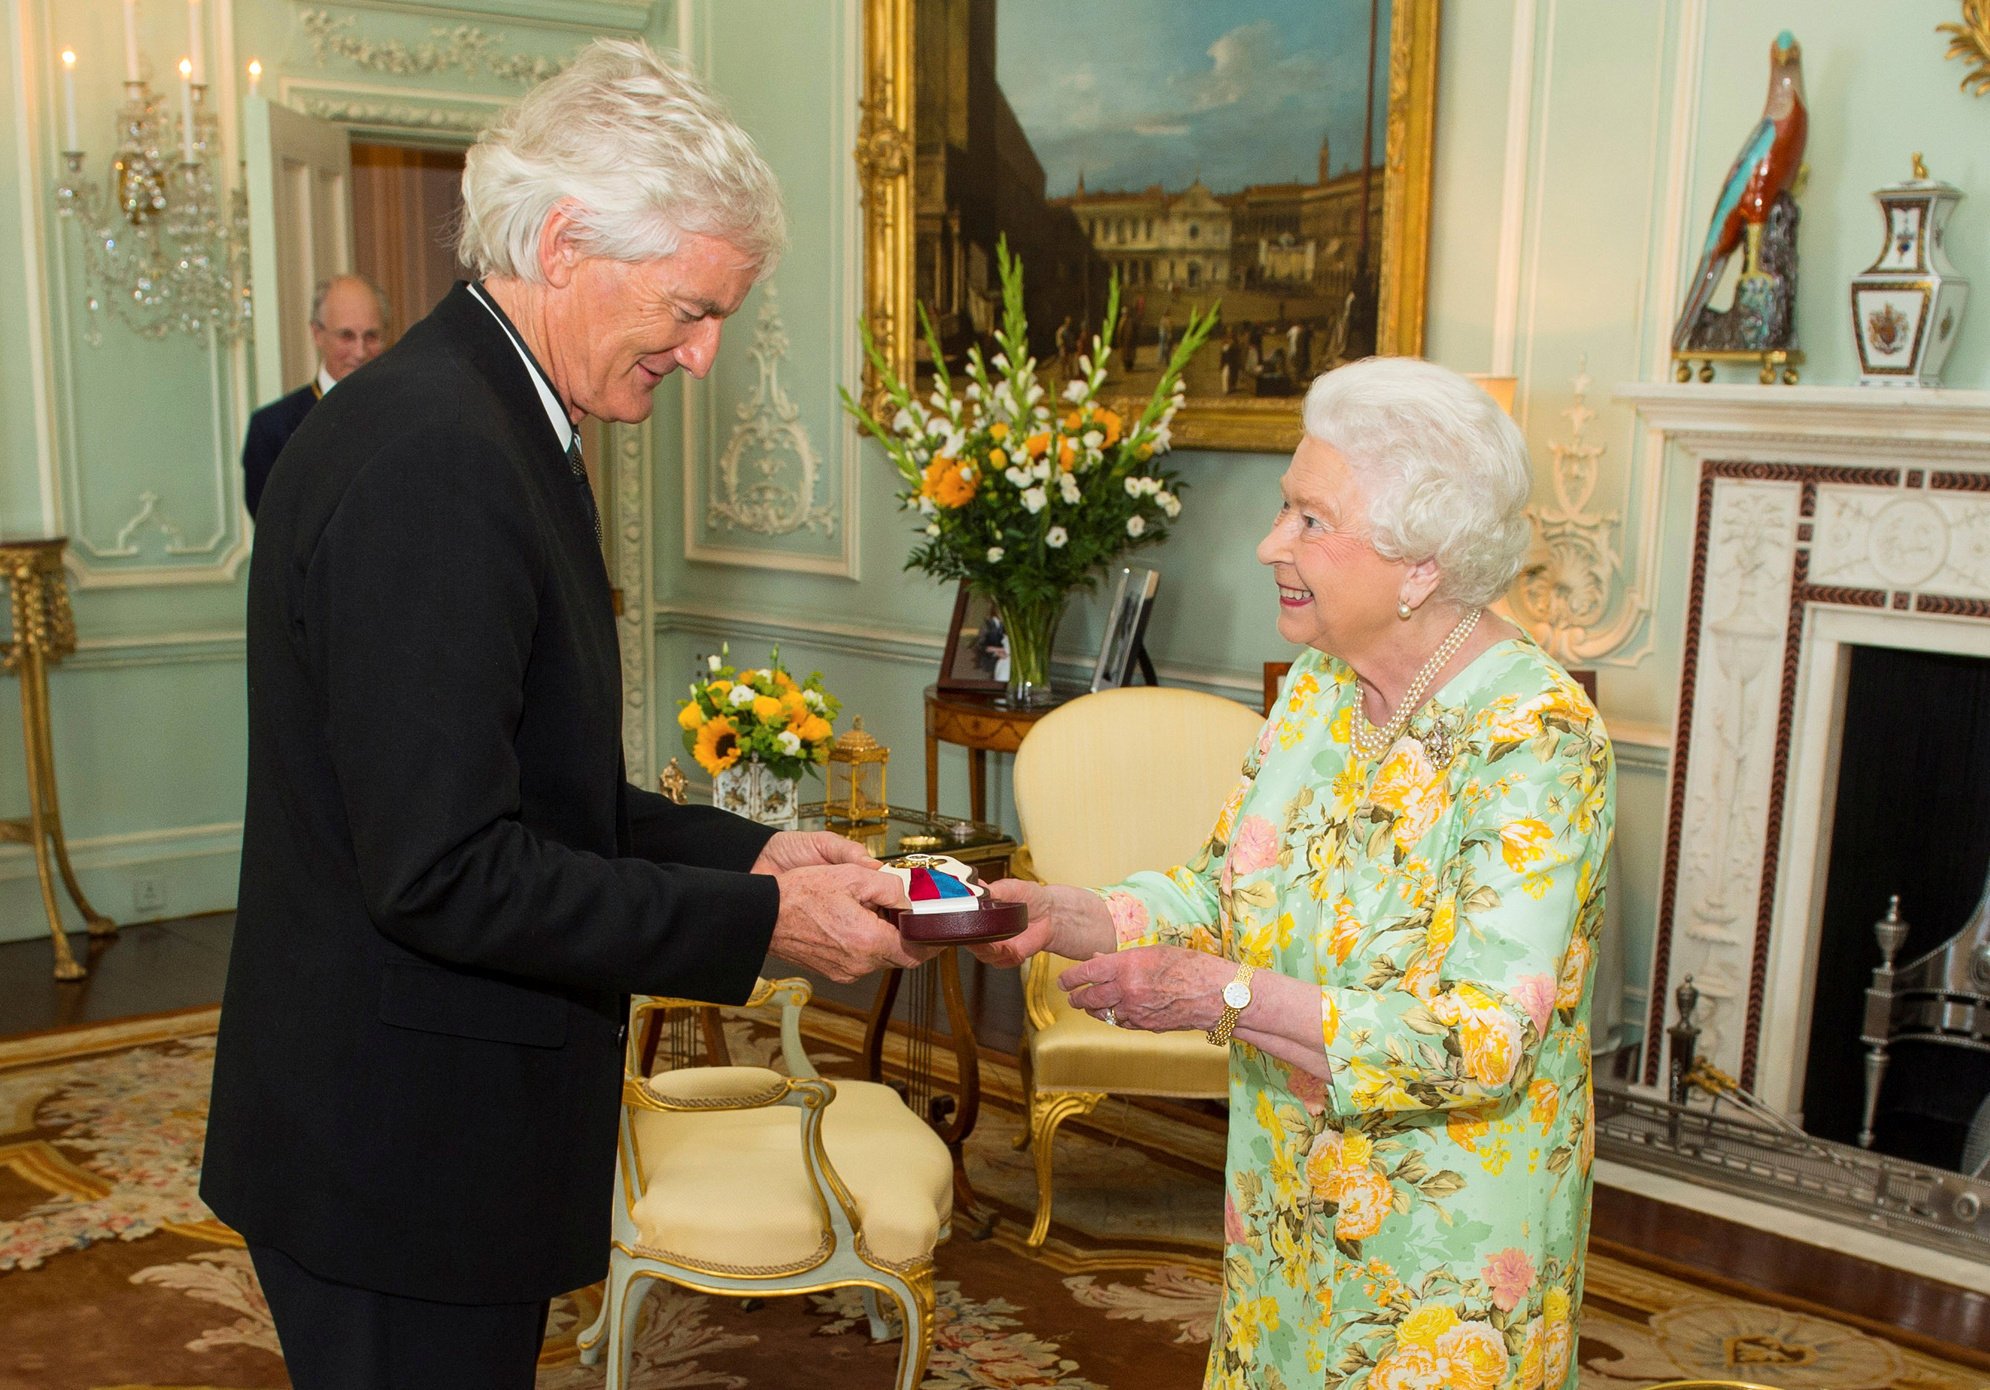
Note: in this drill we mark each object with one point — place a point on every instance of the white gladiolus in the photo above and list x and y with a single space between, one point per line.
1068 485
1000 363
1055 537
1076 391
1034 500
790 741
926 507
1136 525
741 696
1042 471
973 391
712 664
995 554
902 422
1092 439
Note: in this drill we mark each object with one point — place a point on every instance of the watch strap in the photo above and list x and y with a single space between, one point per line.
1226 1024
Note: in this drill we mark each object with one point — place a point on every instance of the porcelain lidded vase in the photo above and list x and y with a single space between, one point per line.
1907 306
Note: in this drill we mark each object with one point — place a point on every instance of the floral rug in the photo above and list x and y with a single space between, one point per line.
112 1274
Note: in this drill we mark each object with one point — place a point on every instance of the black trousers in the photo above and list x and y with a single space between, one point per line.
337 1337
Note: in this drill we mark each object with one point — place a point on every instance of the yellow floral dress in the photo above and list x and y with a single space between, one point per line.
1416 1219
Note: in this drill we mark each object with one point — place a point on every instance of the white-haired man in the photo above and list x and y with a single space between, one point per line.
448 888
349 329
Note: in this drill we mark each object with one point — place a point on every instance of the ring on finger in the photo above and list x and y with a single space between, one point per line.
1111 1019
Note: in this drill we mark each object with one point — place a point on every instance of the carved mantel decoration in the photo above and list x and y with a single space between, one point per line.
769 476
1969 40
1826 518
458 47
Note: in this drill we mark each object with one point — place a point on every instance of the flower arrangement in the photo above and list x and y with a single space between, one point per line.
757 716
1023 495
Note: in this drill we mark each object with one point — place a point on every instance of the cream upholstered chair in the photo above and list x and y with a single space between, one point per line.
739 1180
1109 784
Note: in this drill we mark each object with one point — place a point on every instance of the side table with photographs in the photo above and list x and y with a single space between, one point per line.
982 724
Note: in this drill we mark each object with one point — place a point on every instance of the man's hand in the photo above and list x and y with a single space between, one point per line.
1068 921
1158 988
826 923
800 849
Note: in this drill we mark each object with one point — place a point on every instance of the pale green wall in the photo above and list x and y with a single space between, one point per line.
150 731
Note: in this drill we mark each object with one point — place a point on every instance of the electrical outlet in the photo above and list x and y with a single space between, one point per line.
147 895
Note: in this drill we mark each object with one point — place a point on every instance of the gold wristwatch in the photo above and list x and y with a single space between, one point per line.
1236 998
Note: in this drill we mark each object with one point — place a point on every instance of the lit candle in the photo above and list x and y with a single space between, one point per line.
193 43
131 40
69 100
186 110
255 76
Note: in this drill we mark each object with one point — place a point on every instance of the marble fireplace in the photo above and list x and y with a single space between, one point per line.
1823 520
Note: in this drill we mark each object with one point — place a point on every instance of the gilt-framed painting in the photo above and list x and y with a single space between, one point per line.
1270 155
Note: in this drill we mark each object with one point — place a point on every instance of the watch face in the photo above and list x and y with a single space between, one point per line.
1236 994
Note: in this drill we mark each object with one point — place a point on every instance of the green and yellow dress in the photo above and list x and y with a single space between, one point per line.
1418 1218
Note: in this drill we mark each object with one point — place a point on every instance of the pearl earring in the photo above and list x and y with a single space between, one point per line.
1403 610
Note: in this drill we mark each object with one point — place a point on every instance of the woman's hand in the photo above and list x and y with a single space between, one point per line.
1157 988
1068 921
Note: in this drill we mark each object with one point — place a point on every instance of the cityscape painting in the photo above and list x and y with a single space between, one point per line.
1233 153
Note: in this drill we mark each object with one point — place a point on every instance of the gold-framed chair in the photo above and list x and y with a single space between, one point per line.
739 1180
1707 1385
1106 785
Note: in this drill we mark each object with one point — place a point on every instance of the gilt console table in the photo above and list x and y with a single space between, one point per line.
43 632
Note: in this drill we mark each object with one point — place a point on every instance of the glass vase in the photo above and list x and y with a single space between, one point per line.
752 790
1029 626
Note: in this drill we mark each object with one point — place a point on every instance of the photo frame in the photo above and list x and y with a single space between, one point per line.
1121 645
932 98
974 661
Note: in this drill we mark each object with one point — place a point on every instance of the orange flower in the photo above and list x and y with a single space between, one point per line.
949 483
1544 1100
998 431
813 729
766 709
1364 1201
1073 421
1067 455
998 458
1037 445
1109 419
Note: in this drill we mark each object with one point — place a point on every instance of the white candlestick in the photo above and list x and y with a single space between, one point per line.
69 101
255 77
186 110
131 40
193 43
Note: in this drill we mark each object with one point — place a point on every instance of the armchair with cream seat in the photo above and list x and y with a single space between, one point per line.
739 1180
1106 785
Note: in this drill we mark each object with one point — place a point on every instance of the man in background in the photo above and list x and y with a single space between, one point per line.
349 328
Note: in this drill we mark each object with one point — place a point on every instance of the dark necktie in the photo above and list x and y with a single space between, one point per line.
578 467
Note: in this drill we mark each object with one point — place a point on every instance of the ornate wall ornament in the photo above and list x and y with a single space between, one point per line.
1970 41
768 478
459 46
399 115
150 515
1567 596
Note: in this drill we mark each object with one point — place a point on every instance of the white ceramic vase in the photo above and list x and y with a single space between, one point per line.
752 790
1907 306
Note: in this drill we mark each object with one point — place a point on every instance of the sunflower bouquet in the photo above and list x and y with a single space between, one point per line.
1023 493
757 716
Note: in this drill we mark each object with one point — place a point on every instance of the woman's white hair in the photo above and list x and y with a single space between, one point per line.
644 152
1445 470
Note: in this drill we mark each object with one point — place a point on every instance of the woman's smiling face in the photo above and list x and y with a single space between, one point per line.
1335 592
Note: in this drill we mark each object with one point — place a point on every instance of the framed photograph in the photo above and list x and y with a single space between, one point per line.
977 654
1274 155
1120 647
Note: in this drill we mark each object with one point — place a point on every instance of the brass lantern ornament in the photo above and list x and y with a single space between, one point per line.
856 777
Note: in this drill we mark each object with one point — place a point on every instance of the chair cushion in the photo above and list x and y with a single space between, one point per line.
728 1188
1079 1053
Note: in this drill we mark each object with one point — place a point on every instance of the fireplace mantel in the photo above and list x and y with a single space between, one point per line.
1824 424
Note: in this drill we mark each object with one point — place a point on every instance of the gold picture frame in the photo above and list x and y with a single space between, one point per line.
886 159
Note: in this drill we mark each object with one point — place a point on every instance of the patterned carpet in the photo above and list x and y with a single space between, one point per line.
113 1275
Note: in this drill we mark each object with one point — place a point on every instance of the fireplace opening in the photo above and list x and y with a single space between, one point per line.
1912 818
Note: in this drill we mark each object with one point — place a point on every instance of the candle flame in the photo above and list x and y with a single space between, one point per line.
255 67
186 67
69 57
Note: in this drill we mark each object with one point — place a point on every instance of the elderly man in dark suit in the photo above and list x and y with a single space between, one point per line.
349 328
448 886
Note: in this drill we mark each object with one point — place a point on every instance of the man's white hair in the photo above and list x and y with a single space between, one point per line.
1445 470
643 153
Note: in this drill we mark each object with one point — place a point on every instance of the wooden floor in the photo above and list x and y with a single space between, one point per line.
160 967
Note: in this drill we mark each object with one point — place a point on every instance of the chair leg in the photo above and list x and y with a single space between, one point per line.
1026 1073
589 1342
1046 1114
621 1302
915 1305
874 1311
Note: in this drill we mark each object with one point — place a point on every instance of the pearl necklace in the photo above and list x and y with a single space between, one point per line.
1370 742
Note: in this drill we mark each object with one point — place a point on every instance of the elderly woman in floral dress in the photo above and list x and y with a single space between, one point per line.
1392 923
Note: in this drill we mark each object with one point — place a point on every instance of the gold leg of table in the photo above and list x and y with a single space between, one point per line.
43 828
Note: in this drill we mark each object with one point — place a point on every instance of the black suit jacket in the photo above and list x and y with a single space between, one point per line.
269 430
447 886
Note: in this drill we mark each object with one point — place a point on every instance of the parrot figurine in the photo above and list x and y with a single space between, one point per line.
1766 167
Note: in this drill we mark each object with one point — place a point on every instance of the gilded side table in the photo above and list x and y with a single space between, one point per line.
43 633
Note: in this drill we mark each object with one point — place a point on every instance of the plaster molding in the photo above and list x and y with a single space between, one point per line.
195 648
1569 596
769 476
581 16
134 847
1825 424
460 47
